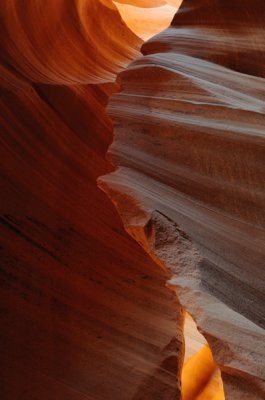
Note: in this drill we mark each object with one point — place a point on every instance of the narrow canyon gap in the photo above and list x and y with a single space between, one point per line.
85 313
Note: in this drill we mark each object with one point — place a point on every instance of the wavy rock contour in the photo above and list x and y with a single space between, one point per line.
84 311
189 147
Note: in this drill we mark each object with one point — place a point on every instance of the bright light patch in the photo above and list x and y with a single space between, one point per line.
201 377
147 22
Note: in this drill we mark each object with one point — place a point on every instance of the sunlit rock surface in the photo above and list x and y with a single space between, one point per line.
146 24
189 147
200 377
85 313
62 42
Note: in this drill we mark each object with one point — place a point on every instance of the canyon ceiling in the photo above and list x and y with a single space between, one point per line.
132 200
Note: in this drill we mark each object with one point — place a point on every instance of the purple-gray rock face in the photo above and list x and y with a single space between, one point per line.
189 149
85 313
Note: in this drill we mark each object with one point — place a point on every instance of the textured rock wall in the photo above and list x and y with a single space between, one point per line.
84 312
62 42
189 147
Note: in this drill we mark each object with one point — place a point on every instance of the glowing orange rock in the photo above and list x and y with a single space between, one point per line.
150 22
200 378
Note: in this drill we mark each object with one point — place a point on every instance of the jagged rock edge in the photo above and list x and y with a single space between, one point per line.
145 226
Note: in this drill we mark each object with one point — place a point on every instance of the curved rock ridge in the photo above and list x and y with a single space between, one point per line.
189 148
62 42
84 313
223 32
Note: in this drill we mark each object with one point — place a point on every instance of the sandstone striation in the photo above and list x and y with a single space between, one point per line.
189 148
63 42
85 313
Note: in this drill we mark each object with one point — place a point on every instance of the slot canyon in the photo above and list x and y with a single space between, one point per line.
132 254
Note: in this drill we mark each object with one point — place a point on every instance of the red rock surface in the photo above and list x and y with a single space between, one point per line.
85 313
63 42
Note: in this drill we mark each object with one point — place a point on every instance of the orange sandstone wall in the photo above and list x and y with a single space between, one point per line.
84 312
63 42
